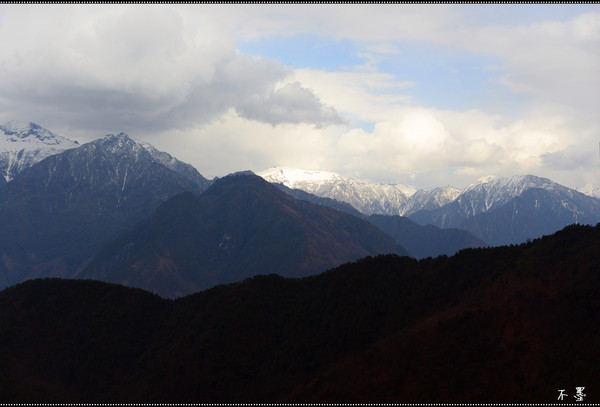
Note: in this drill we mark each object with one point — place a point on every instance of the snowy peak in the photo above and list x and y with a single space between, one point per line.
23 144
512 186
367 198
123 152
515 184
119 143
290 177
21 135
428 200
492 191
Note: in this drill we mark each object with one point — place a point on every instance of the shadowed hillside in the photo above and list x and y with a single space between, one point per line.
241 226
507 324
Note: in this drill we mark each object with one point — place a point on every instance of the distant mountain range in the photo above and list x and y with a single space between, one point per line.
60 209
496 210
514 209
367 198
495 325
119 210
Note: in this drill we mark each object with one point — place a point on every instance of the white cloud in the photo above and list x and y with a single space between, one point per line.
234 143
367 96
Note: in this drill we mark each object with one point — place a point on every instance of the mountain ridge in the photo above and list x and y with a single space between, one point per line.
56 213
511 210
450 207
239 227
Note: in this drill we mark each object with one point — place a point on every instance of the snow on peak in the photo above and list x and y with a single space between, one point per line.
365 197
15 126
290 177
515 183
491 192
486 179
407 190
16 135
590 190
23 144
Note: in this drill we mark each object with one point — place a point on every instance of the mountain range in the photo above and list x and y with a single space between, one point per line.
122 211
496 210
126 276
367 198
513 209
58 213
511 324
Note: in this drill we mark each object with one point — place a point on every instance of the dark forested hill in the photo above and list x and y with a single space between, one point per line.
508 324
241 226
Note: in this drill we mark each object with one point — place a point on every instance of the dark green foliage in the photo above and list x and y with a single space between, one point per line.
508 324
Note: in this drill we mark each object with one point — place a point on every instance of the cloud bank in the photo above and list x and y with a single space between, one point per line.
138 68
441 94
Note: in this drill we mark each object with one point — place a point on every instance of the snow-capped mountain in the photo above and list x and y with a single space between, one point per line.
125 147
502 210
23 144
498 210
491 192
366 198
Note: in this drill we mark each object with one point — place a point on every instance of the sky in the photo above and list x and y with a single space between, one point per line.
424 94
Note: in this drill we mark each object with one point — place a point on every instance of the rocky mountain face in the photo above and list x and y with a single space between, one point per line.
57 213
241 226
24 144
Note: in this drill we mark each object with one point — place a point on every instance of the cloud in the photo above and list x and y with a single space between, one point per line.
291 103
364 95
235 143
172 74
572 158
545 53
422 141
549 61
138 68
